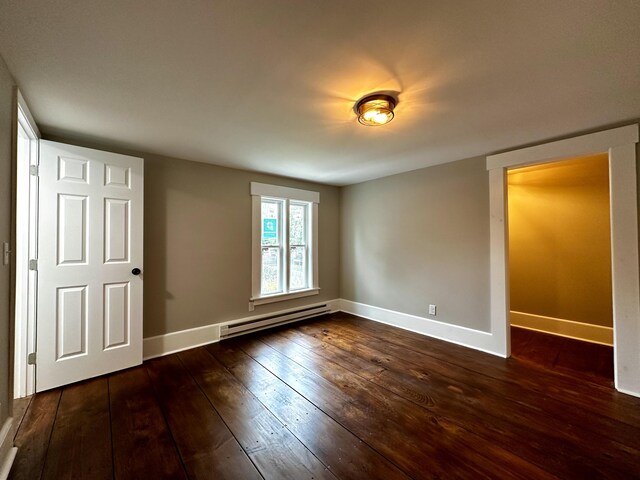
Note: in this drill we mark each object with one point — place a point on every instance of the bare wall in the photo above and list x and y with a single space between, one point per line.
560 240
418 238
197 242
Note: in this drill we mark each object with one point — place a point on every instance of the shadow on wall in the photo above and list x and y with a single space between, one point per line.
155 245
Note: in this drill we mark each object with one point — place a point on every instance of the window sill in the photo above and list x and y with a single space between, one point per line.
281 297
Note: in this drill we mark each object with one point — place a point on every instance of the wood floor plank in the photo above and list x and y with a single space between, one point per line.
386 420
337 397
344 453
514 427
585 361
20 407
543 354
80 446
207 446
502 387
142 443
520 337
33 435
597 399
273 449
588 361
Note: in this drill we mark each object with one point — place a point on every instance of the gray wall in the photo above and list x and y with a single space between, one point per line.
418 238
197 242
6 201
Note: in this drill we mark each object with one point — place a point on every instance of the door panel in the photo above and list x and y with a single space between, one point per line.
116 230
71 321
90 238
117 176
116 314
72 229
72 170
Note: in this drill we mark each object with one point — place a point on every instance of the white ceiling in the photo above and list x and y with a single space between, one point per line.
269 85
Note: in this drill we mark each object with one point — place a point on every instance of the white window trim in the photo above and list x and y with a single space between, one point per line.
280 297
259 190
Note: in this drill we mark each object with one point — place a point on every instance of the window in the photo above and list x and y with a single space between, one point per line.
285 256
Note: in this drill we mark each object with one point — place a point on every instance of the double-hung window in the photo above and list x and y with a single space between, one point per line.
285 243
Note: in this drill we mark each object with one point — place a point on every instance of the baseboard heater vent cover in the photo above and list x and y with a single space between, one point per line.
232 329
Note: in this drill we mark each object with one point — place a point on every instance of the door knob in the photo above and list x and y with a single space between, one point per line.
136 271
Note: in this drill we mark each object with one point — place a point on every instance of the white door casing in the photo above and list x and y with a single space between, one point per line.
89 315
620 144
26 248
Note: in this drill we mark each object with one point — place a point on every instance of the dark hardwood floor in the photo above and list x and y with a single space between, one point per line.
335 397
582 360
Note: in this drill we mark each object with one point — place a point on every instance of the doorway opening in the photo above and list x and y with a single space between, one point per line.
561 308
620 144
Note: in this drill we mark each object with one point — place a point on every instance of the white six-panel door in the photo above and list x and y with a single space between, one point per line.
89 315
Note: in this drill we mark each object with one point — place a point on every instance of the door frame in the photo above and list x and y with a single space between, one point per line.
620 144
26 235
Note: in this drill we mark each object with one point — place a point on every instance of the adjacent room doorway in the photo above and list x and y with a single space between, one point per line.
561 308
619 144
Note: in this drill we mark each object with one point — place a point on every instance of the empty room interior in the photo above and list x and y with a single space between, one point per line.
319 240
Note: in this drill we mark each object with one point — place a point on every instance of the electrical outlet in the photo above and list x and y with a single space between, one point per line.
251 307
432 310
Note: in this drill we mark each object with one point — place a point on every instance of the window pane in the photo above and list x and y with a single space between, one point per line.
297 224
270 277
270 224
298 275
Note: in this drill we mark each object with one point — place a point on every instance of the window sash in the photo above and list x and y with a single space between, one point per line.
267 287
299 279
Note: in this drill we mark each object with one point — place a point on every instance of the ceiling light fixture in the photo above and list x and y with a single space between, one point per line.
376 109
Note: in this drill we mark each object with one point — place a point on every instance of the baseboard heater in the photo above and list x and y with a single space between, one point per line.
232 329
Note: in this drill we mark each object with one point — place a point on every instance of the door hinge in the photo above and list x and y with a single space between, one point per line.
33 170
33 264
6 253
31 359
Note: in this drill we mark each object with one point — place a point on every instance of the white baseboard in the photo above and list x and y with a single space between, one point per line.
563 328
195 337
174 342
7 450
334 305
628 392
467 337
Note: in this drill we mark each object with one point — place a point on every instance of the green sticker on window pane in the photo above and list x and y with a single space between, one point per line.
269 227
